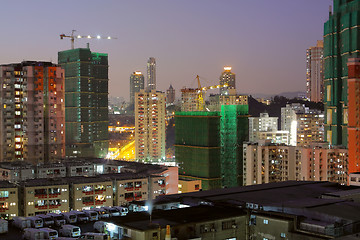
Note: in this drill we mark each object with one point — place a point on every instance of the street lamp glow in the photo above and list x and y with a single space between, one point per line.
98 37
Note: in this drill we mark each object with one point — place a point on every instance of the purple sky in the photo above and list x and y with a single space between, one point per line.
263 40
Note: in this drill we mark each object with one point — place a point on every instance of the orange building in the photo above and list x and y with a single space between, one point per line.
353 114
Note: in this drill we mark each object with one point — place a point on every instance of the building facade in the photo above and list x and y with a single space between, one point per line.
319 162
216 100
315 72
340 43
86 102
265 163
354 114
263 123
150 115
136 84
208 145
170 95
310 128
32 126
189 100
151 74
227 77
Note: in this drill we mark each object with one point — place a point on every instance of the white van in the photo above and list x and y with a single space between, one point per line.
81 217
123 210
58 219
70 231
33 234
4 226
102 213
112 211
21 222
70 217
48 221
49 233
36 222
94 236
92 215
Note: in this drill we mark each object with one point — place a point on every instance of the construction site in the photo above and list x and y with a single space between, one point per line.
208 144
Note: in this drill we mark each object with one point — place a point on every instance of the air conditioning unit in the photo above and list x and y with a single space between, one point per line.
234 226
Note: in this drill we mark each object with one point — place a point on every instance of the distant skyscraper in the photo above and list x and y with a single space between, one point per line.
151 74
227 77
170 95
149 125
86 99
315 72
341 40
136 84
33 114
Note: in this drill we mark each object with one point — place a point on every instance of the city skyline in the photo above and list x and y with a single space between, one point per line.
186 38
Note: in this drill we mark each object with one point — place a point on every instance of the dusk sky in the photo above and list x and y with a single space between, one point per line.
265 41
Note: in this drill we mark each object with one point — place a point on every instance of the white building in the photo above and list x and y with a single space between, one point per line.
264 123
304 125
289 119
150 125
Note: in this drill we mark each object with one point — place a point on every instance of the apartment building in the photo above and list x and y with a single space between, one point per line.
189 100
320 162
90 192
263 123
216 100
9 207
39 196
150 126
265 162
32 124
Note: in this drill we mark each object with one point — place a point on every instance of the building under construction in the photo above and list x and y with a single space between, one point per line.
86 102
208 145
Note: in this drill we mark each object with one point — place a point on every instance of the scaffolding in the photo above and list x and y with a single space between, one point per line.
233 132
208 145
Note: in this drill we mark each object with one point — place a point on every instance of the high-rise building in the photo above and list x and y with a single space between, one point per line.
341 40
315 72
189 100
227 77
216 100
136 84
150 125
354 114
264 123
86 102
170 95
309 128
289 119
303 124
33 114
265 162
208 145
151 74
319 162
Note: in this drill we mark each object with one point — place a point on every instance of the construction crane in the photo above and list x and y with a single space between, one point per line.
201 91
73 37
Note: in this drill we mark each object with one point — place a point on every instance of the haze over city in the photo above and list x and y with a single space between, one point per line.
264 41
